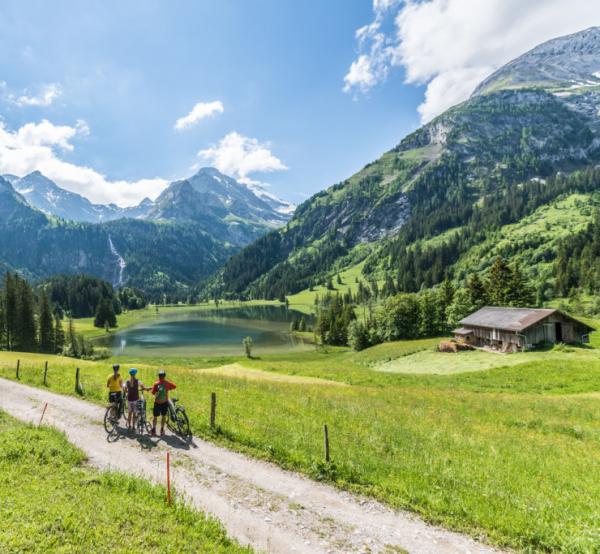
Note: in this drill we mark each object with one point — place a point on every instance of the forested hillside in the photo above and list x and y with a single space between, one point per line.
426 206
160 257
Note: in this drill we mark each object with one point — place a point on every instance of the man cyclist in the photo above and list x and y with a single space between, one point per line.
132 389
160 390
114 384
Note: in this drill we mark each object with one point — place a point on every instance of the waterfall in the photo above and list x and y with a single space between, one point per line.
120 262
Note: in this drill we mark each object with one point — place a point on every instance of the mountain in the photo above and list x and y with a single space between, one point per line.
46 195
219 205
229 210
560 65
159 257
161 247
528 138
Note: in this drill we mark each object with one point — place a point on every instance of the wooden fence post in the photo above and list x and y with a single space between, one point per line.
46 374
326 441
213 408
78 387
18 367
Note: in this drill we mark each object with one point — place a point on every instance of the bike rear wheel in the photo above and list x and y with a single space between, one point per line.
183 424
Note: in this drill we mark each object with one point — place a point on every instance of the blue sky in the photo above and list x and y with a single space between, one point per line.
131 69
91 91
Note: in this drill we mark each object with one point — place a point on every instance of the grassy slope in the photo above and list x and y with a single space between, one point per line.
510 452
533 240
304 301
53 502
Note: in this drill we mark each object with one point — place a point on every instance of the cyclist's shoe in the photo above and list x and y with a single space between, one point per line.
162 432
153 432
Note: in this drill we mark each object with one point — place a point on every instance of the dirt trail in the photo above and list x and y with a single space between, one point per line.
258 503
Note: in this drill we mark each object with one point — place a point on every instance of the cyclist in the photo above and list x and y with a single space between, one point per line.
160 390
114 384
132 389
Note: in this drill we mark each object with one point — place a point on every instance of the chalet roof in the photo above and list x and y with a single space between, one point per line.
463 331
510 319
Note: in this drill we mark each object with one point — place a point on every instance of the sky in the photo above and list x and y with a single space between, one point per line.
114 99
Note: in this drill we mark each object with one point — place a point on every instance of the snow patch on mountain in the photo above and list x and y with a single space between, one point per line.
280 206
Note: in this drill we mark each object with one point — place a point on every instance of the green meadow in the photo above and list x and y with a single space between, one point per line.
53 502
504 447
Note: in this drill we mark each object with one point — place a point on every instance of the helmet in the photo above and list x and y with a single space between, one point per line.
161 372
132 371
116 367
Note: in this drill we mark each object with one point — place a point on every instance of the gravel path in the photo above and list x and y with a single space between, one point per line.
258 503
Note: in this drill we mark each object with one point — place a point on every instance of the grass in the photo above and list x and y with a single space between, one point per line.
509 453
433 362
53 502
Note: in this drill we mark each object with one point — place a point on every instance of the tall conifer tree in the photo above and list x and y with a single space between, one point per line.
59 335
47 338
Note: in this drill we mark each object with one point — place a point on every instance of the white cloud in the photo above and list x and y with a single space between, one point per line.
240 156
376 51
451 45
200 111
37 146
45 97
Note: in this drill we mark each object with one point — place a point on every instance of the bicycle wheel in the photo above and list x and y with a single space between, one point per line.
183 424
110 418
172 420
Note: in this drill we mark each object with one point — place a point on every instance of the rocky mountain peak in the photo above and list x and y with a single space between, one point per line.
567 63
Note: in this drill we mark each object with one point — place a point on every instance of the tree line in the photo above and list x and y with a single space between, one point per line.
30 323
428 313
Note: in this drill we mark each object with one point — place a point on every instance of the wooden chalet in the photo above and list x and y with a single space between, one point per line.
518 329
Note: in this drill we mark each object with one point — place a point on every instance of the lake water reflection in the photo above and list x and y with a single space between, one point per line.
211 332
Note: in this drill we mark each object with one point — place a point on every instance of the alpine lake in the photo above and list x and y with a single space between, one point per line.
218 331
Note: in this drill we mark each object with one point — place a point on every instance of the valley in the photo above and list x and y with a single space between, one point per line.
487 452
406 361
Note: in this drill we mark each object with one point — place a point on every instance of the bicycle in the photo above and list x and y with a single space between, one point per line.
141 422
177 420
114 411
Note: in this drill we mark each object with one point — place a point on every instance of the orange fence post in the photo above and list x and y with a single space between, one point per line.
168 478
43 412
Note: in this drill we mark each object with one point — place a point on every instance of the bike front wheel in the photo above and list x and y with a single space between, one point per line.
111 417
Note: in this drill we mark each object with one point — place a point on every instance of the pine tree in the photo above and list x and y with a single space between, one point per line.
430 322
105 314
499 283
26 324
10 309
2 323
72 343
521 293
445 297
59 336
47 338
477 293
